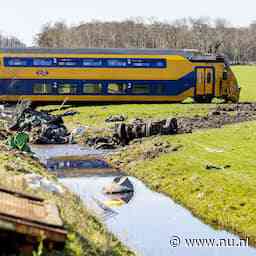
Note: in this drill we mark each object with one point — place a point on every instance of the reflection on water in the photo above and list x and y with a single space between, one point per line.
149 220
72 160
45 152
54 164
125 197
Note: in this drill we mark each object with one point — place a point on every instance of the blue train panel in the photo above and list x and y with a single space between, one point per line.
85 62
96 87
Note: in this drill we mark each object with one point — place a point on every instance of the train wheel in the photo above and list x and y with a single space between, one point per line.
203 99
174 125
121 131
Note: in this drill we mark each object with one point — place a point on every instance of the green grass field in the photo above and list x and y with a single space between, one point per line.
224 197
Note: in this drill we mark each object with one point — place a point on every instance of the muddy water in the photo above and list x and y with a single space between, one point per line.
145 221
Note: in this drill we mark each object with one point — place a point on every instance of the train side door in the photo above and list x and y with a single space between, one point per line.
204 81
209 81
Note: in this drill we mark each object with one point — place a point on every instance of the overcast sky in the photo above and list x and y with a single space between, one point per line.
25 18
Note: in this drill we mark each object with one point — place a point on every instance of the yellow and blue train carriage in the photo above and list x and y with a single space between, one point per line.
114 75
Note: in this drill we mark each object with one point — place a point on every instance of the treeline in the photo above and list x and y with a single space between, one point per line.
238 43
10 42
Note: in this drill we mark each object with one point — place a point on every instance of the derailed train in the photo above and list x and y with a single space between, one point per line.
114 75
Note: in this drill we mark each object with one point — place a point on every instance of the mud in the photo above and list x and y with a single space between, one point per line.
221 115
159 148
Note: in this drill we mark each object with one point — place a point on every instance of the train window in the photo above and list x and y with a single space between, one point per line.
92 88
117 63
144 63
117 88
17 62
42 88
160 64
67 89
92 63
42 62
225 75
141 89
209 77
68 62
160 89
140 63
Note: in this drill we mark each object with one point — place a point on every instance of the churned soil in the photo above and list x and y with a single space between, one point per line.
221 115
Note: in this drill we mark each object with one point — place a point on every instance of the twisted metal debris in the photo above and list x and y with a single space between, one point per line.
42 127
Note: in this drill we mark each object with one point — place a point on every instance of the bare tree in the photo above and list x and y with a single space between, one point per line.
10 42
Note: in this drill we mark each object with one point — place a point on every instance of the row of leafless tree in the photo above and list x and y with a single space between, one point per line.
10 42
239 44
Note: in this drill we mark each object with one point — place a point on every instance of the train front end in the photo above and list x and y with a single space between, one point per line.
230 87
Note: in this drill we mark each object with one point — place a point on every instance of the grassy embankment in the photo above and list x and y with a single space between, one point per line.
224 197
87 236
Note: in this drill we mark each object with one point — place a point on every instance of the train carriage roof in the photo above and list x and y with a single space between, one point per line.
186 53
190 54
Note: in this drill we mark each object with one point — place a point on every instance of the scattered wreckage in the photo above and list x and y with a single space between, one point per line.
125 133
139 129
119 185
115 118
119 192
43 128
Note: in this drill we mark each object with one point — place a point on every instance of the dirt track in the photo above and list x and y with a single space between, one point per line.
222 115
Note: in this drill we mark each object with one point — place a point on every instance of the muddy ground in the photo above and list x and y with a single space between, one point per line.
221 115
